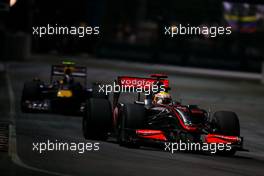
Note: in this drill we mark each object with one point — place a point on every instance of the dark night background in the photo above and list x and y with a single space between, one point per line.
133 30
131 43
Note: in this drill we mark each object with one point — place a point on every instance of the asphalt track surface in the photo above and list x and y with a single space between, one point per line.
247 99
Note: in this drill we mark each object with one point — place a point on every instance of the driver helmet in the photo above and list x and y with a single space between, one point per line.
162 98
67 77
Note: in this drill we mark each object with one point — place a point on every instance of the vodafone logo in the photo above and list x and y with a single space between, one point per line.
137 82
134 84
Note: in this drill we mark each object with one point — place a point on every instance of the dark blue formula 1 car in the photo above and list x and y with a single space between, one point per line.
66 93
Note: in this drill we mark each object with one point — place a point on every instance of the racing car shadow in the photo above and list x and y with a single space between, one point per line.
159 148
197 153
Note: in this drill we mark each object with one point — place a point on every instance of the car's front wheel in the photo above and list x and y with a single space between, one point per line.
30 92
226 123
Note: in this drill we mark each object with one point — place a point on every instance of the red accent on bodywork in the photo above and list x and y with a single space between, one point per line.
215 138
152 134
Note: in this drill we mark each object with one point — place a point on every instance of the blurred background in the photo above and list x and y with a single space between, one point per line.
134 31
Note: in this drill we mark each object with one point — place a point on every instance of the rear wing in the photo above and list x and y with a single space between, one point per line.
77 71
146 84
138 82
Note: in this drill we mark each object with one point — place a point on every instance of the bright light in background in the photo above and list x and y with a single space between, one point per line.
12 2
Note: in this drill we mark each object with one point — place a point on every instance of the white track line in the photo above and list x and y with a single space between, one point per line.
12 151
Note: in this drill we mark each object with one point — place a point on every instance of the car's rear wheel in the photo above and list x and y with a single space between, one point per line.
97 92
226 123
132 118
97 119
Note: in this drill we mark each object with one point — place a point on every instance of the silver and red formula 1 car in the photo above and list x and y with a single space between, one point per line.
142 122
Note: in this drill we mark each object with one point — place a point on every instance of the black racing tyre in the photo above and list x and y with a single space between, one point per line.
132 118
97 119
226 123
97 92
31 91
